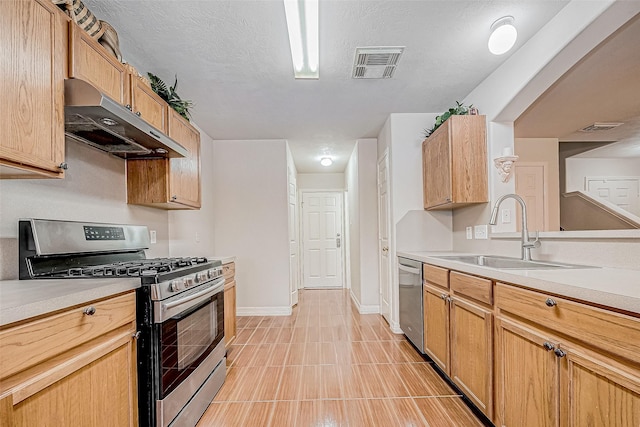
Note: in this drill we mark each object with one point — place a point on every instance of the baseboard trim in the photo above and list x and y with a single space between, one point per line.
395 328
364 309
263 311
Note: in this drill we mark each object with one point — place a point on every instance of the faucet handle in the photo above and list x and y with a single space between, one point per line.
535 243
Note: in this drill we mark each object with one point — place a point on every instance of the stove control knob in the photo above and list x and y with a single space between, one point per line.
202 276
213 273
176 285
188 281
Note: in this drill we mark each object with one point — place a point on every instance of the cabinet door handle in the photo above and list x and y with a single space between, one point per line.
89 311
138 113
560 353
128 107
550 302
548 346
63 166
136 335
443 296
174 198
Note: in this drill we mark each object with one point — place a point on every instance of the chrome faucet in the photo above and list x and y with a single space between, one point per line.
527 244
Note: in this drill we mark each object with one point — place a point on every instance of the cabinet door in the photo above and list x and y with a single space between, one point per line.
92 63
33 52
436 326
436 157
147 104
184 180
102 393
597 391
229 313
472 352
526 377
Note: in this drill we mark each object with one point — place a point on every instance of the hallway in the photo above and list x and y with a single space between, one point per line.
327 365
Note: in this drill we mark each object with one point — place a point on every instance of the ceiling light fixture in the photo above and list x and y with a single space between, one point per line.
326 161
503 35
302 23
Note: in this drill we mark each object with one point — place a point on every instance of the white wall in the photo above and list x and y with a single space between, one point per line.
577 168
94 189
509 91
352 197
250 221
191 231
321 181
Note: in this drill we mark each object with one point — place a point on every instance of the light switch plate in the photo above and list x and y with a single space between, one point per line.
469 233
152 236
481 231
506 216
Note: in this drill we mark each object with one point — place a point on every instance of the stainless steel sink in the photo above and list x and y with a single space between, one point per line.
507 263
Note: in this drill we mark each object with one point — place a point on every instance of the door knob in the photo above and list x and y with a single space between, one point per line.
385 249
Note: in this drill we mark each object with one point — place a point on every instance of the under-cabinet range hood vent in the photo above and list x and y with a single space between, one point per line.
93 118
598 126
376 62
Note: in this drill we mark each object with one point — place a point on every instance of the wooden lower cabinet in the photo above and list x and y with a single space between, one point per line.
563 373
472 352
229 313
229 271
83 373
436 326
526 377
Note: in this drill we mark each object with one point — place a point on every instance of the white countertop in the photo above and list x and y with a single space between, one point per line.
23 299
611 287
223 259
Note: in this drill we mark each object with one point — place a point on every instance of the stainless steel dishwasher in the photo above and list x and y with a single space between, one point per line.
411 315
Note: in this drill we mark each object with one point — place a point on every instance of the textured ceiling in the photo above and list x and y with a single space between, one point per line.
603 87
232 59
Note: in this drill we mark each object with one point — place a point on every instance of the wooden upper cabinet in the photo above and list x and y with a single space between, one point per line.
147 104
91 62
33 45
168 183
185 172
454 164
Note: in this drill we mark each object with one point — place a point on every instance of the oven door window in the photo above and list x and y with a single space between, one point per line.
187 339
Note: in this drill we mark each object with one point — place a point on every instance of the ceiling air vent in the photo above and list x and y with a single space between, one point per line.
597 126
376 62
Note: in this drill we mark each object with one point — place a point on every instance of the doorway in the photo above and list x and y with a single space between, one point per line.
322 239
383 236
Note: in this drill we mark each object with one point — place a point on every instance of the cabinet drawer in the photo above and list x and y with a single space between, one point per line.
613 332
229 271
436 275
30 343
473 287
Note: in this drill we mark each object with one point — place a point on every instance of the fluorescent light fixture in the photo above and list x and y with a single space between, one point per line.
503 35
302 23
326 161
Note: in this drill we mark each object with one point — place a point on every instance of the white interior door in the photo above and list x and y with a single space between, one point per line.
623 192
531 182
293 239
322 239
383 237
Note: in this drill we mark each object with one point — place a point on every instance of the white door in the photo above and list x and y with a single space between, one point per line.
383 237
293 239
531 186
623 192
322 239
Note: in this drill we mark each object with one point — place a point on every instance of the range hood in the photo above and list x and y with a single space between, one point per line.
93 118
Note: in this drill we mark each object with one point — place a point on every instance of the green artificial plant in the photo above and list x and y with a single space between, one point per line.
458 110
181 106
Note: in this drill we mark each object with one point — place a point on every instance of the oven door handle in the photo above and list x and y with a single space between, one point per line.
208 291
409 269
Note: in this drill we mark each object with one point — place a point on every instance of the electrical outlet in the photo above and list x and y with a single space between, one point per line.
481 231
197 237
469 233
506 216
152 236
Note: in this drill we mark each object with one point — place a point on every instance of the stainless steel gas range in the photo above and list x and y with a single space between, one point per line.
180 309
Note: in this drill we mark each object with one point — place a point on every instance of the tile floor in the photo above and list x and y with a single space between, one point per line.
327 365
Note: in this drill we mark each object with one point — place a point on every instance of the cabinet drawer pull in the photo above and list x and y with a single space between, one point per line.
550 302
548 346
560 353
89 311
